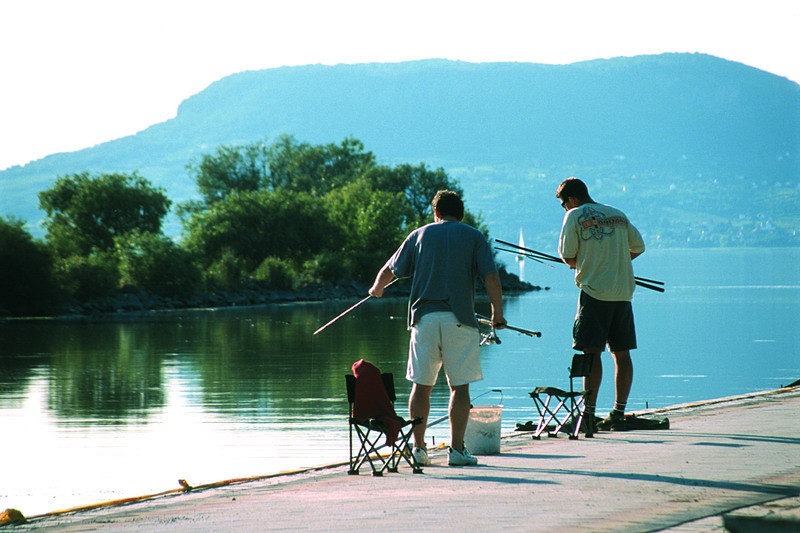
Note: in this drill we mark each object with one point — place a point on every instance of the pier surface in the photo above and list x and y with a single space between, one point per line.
727 465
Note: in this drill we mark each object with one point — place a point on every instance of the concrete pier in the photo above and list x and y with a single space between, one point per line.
727 465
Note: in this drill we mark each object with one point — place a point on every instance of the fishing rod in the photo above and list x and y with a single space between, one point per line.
529 256
350 309
641 282
488 322
538 256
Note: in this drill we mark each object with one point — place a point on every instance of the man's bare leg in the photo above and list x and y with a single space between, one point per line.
592 383
623 378
419 404
460 405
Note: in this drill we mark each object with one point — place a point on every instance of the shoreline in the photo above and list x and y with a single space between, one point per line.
132 301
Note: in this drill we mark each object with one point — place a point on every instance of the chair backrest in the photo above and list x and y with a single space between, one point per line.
388 383
581 365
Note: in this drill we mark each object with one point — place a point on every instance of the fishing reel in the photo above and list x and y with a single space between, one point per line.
489 337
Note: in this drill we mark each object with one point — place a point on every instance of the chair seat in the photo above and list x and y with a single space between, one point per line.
378 425
555 391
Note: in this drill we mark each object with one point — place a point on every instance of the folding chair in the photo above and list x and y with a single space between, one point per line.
564 408
372 419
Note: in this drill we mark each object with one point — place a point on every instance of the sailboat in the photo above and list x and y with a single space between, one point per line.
521 257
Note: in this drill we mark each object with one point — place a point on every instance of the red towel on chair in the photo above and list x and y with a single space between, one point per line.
372 400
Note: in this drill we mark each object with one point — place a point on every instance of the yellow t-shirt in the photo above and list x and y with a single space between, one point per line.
601 239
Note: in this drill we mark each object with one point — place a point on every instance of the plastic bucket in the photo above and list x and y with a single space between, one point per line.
483 429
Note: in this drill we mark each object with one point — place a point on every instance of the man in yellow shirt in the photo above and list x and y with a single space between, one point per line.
599 242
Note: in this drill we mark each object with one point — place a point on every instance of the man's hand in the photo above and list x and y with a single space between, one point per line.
376 291
383 279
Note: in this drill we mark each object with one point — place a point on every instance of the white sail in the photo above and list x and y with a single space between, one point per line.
521 257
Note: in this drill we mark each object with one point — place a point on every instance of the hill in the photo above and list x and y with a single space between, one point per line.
698 150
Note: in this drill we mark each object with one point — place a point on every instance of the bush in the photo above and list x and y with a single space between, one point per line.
276 273
26 283
227 272
327 266
85 278
156 264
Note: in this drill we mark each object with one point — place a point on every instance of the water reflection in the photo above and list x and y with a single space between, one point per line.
251 363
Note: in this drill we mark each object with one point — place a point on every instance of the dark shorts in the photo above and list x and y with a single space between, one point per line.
599 323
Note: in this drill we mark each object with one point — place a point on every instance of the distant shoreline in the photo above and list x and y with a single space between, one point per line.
133 301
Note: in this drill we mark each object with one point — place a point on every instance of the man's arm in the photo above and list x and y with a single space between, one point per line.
572 262
634 255
495 292
385 275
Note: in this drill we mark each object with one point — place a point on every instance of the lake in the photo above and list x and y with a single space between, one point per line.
123 406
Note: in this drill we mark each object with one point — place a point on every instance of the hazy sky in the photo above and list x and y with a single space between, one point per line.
80 72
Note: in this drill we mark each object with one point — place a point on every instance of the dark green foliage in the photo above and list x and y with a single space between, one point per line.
226 272
372 223
327 266
26 285
88 277
328 210
316 169
85 213
280 215
230 169
418 183
155 263
276 273
256 225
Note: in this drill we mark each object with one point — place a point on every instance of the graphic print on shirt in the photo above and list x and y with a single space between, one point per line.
596 225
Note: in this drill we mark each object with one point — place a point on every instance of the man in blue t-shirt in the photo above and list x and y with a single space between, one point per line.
444 258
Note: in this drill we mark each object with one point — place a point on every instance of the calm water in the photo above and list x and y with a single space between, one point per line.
92 411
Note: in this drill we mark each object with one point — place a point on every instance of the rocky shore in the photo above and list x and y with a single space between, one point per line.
131 299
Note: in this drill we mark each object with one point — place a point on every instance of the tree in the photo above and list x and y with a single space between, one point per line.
229 169
372 223
316 169
26 285
155 263
85 214
86 277
256 225
418 183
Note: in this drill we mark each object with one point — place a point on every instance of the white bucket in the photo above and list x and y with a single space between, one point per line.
483 429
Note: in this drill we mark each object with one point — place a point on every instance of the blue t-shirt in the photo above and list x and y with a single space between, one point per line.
444 258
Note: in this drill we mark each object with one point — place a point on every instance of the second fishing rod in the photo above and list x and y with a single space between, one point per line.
645 283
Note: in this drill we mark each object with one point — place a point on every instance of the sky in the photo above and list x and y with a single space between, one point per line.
76 73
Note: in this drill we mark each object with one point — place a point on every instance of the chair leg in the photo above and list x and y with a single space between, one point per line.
567 410
368 452
577 408
548 415
402 451
352 470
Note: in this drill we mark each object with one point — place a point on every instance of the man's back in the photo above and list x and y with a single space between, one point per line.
444 258
601 239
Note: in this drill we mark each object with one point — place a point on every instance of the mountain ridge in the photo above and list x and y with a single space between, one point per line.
668 116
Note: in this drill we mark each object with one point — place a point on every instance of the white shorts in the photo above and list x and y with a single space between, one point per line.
440 340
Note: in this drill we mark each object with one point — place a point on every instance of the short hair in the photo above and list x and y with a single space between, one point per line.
572 187
449 204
